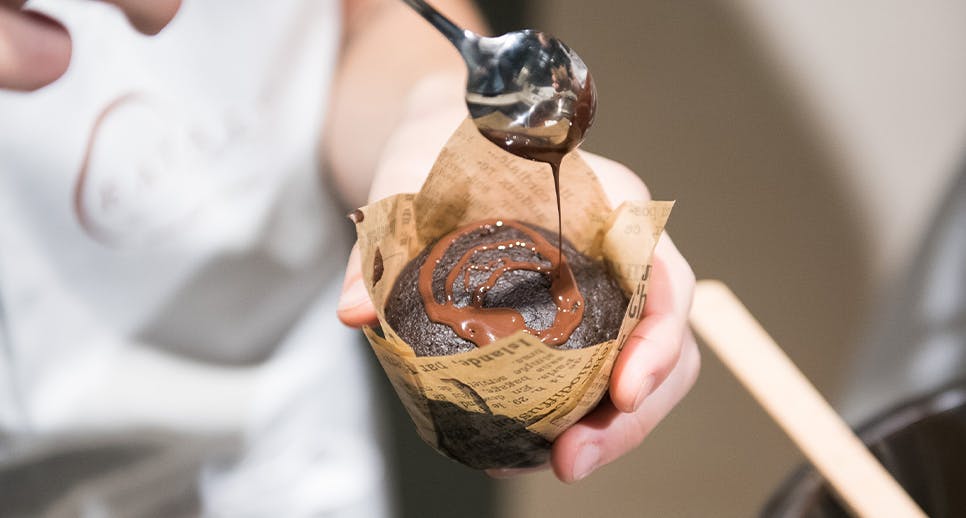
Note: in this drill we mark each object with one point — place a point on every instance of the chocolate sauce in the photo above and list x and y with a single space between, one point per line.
356 216
482 325
378 267
548 141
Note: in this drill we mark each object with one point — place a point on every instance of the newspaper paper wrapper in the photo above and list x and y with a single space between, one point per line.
502 405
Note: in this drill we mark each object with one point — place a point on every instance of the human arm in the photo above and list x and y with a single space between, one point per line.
397 97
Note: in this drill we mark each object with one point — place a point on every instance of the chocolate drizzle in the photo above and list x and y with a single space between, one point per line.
483 325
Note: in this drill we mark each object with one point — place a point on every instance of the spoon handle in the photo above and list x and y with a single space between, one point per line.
453 33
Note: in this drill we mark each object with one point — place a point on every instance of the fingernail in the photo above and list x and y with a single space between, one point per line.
353 294
646 387
586 461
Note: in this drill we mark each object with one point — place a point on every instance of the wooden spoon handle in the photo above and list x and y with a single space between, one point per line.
784 392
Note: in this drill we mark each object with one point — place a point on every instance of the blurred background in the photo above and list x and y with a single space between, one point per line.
809 146
817 153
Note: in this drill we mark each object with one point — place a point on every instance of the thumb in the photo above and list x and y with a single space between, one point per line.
34 49
355 306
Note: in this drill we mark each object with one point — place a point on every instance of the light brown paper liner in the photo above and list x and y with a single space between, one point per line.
532 385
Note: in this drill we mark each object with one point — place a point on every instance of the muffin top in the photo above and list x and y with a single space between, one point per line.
489 279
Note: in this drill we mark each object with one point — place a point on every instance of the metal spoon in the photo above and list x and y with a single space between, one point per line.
526 91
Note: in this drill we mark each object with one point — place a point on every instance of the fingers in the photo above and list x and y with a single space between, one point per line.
148 16
608 433
355 307
34 49
656 368
654 345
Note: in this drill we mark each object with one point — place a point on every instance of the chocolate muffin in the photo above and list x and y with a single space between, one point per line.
489 279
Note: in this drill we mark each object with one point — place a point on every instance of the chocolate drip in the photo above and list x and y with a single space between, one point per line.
552 149
482 325
555 168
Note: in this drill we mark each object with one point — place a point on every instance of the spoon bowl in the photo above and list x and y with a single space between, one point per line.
526 91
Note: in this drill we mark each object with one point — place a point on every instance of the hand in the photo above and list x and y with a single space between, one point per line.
658 365
656 368
35 50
